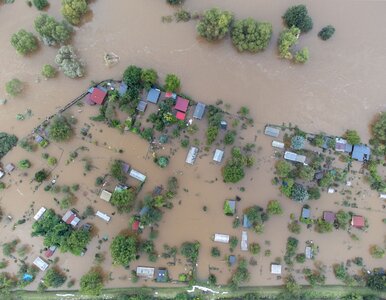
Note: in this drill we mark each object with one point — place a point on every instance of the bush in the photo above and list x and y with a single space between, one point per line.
211 134
214 24
40 4
148 77
184 143
24 42
190 251
283 168
326 32
294 227
302 55
342 219
59 129
233 241
123 200
24 164
377 252
274 208
298 16
175 2
300 258
2 186
172 83
297 142
73 10
132 76
306 173
69 63
52 161
51 31
124 249
14 87
91 283
250 35
48 71
352 137
323 226
254 248
7 142
229 137
163 161
212 280
54 278
241 275
299 193
41 175
182 16
313 193
215 252
287 39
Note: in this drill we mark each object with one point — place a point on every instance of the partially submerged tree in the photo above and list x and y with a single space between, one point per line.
69 62
172 83
299 193
302 56
59 129
287 39
48 71
51 31
123 200
326 32
14 87
40 4
91 283
214 24
124 249
24 42
352 137
54 278
73 10
297 16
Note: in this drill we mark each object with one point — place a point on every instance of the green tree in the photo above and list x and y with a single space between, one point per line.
300 258
254 248
48 71
77 241
54 278
314 193
323 226
7 142
297 142
233 171
14 87
124 249
342 219
352 137
229 137
299 193
294 227
40 4
73 10
59 129
250 35
379 128
241 275
172 83
24 42
287 39
6 285
123 200
274 208
117 171
326 32
41 175
149 77
214 24
215 252
175 2
153 215
283 168
306 173
190 250
52 161
132 77
298 16
163 161
91 283
340 271
377 251
51 31
69 63
302 56
24 164
376 281
211 134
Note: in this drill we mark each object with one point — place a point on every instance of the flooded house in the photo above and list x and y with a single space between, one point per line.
221 238
246 222
291 156
361 153
153 95
306 213
170 95
71 218
103 216
231 260
135 225
50 251
137 175
181 108
341 145
105 195
9 168
162 275
145 272
199 111
277 144
308 252
272 131
122 89
244 241
358 221
142 105
40 263
329 216
98 95
192 155
276 269
40 213
218 155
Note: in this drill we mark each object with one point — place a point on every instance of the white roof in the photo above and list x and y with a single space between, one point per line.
40 213
103 216
2 174
41 264
382 196
75 221
137 175
272 131
145 272
218 155
295 157
244 241
192 155
308 252
221 238
331 190
277 144
276 269
105 195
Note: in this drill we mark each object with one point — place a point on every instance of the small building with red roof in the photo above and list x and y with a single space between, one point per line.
135 225
71 218
98 95
182 104
358 221
170 95
180 115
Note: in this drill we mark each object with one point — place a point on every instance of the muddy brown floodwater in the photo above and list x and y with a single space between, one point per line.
341 87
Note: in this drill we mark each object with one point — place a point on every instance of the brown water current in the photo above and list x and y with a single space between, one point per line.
342 86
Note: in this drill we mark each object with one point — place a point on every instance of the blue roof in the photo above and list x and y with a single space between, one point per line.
348 148
361 152
246 222
232 205
122 89
232 259
162 275
153 96
306 213
27 277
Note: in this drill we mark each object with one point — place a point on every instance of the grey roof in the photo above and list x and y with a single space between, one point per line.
199 111
272 131
144 210
162 275
246 222
306 213
361 152
153 95
122 88
232 259
141 106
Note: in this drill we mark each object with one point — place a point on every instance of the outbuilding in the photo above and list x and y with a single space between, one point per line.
329 216
199 111
218 155
103 216
142 106
40 263
137 175
171 95
40 213
306 213
308 252
98 95
244 241
153 95
358 221
246 222
276 269
291 156
145 272
182 104
105 195
162 275
9 168
277 144
272 131
361 153
221 238
71 218
192 155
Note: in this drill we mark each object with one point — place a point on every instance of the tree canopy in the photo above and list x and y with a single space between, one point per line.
123 199
51 31
172 83
326 32
233 170
299 193
251 35
148 77
54 278
190 250
297 16
288 38
48 71
14 87
73 10
69 63
132 76
214 24
59 130
40 4
91 283
124 249
76 242
352 137
24 42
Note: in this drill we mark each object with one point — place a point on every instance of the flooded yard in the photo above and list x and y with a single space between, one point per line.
340 88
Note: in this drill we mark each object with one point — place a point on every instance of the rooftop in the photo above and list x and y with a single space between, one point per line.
180 115
361 152
329 216
272 131
276 269
182 104
358 221
153 95
199 111
98 95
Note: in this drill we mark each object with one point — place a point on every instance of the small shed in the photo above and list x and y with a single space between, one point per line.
9 168
71 218
40 263
246 222
277 144
98 95
358 221
221 238
122 89
182 104
105 195
40 213
50 251
103 216
230 207
231 260
135 225
142 106
199 111
171 95
340 145
223 125
125 167
153 95
329 216
306 213
272 131
162 275
308 252
180 115
361 153
276 269
218 155
137 175
382 196
39 139
145 272
192 155
244 241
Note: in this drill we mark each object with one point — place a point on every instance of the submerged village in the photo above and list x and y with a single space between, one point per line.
138 187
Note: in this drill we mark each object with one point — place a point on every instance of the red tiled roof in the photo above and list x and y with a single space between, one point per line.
180 115
135 225
168 95
182 104
98 96
358 221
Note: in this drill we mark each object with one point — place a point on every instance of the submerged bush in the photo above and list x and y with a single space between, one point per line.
326 32
14 87
69 63
298 16
24 42
214 24
40 4
48 71
73 10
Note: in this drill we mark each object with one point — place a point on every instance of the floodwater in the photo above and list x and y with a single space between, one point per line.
340 87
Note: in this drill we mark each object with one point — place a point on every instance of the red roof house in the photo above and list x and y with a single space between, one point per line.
170 95
71 218
98 96
182 104
358 221
135 225
180 115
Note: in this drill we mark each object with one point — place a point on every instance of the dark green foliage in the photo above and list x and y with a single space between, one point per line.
172 83
41 175
24 42
241 275
40 4
300 258
342 219
297 142
14 87
59 129
314 277
51 31
233 241
116 171
292 246
190 251
182 16
313 193
287 39
211 134
149 78
294 227
229 137
147 134
340 271
9 248
54 278
7 142
212 280
152 216
123 200
124 249
306 173
298 16
352 137
6 285
91 283
163 161
323 226
299 193
76 242
133 77
302 55
215 252
214 24
254 248
376 281
175 2
326 32
250 35
233 170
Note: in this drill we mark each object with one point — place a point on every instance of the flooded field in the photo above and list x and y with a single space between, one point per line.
340 88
